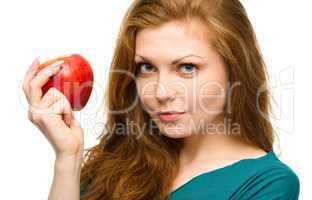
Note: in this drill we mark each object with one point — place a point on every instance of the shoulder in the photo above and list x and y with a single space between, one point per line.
273 180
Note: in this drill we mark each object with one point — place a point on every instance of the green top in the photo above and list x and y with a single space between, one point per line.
260 178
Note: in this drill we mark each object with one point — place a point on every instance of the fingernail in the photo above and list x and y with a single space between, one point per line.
56 64
37 61
34 62
56 68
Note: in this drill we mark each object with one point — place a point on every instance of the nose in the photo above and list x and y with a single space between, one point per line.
164 92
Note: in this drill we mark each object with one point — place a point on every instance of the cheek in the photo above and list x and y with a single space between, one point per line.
146 94
211 98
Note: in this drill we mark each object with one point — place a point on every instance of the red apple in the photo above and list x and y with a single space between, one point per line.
74 80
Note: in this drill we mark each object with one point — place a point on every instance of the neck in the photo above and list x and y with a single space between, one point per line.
198 147
212 146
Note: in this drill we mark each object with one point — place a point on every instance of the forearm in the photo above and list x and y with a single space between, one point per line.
66 180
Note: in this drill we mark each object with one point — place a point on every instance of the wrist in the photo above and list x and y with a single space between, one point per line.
69 156
68 163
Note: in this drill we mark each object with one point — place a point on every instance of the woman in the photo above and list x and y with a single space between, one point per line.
200 61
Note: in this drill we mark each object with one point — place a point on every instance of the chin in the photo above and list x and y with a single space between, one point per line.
174 134
172 130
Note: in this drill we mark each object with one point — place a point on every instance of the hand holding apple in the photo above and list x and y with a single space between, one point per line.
52 112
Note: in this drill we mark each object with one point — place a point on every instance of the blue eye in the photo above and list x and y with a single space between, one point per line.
139 67
142 67
189 67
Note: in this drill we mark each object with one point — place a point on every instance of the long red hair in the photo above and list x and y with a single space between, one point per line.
131 165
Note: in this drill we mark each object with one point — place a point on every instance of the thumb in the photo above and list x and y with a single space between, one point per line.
74 123
76 127
70 120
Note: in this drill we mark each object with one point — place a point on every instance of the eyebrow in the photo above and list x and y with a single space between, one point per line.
175 61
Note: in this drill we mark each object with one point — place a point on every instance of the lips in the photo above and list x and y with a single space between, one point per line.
170 116
170 112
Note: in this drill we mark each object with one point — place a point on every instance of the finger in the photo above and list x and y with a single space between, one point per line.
68 117
61 106
29 75
72 122
75 124
56 123
42 77
32 69
50 97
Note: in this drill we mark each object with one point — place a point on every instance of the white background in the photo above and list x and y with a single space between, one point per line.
50 28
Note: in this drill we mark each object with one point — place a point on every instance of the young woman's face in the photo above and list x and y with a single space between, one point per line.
195 84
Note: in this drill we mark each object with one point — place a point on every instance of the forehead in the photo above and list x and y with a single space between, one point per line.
174 37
